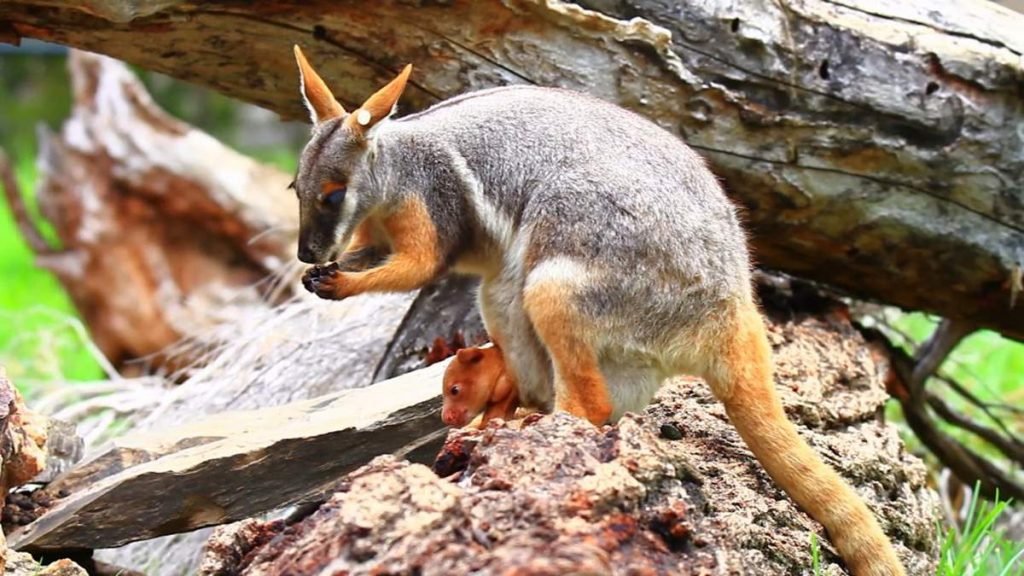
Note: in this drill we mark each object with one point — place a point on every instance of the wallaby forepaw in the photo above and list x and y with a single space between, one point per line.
324 280
361 259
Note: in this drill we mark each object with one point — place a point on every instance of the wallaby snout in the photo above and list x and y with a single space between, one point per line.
316 246
308 256
318 232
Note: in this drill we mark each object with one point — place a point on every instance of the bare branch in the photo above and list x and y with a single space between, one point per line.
1012 449
968 466
932 353
12 192
983 406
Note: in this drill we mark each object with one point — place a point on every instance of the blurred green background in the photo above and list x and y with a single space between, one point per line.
41 339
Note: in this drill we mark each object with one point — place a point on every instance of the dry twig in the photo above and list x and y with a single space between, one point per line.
12 192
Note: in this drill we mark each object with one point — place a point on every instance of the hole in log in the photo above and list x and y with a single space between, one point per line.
319 32
823 70
931 88
735 25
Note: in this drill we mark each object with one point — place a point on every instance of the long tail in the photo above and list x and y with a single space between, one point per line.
741 377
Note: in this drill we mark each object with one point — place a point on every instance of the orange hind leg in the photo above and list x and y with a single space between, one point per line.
580 388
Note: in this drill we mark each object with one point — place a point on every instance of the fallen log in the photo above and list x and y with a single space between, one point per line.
874 146
234 465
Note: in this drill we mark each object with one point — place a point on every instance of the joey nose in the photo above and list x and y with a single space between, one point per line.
452 417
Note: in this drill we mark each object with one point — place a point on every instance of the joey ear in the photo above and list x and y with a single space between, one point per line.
469 355
317 96
380 105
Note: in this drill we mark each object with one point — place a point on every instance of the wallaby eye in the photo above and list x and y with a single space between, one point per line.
454 390
335 197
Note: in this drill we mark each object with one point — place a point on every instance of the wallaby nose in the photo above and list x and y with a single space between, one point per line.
306 255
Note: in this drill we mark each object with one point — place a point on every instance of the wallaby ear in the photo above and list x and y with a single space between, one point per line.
469 355
318 97
381 104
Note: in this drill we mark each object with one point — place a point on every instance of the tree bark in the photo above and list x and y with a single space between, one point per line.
876 147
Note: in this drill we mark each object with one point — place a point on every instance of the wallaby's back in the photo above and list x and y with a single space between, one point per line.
590 181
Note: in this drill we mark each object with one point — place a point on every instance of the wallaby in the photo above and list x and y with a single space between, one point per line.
600 239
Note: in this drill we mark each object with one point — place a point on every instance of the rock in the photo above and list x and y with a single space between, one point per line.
556 495
31 444
23 441
22 564
229 545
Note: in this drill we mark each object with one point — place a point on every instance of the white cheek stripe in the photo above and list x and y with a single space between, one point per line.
348 207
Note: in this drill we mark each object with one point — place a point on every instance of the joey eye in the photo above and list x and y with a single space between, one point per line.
335 197
454 390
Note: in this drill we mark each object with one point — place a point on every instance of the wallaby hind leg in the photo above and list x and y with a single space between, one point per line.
580 388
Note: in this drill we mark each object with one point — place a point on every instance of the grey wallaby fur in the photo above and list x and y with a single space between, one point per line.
589 189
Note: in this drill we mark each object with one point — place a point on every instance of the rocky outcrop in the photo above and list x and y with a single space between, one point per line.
670 491
26 443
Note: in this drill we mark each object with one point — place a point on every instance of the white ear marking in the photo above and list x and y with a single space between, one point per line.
363 117
305 99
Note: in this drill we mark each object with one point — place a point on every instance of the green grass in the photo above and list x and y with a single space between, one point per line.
980 548
815 555
40 338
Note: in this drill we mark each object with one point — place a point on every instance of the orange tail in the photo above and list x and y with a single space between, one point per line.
742 380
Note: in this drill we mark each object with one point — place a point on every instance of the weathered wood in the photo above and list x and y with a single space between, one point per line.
875 145
235 465
185 226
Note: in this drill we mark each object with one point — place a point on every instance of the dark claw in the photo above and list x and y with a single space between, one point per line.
316 274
